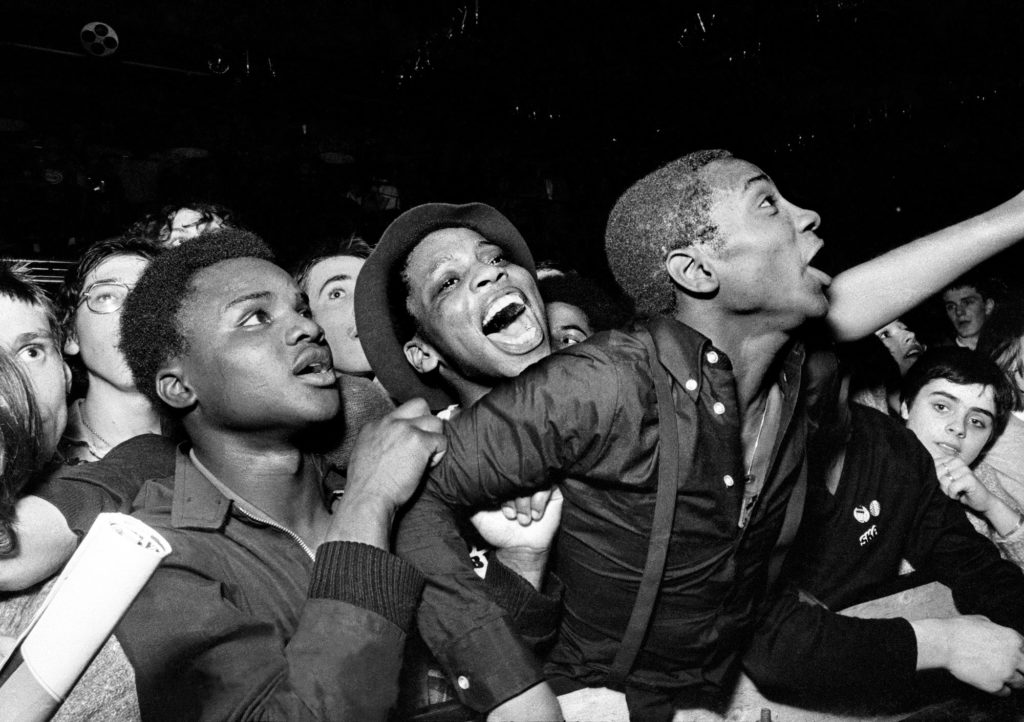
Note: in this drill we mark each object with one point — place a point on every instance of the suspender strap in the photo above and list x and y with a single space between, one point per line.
661 529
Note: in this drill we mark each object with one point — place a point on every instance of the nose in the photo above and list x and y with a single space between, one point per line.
304 328
486 274
956 427
806 220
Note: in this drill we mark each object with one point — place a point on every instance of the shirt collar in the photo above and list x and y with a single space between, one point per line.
199 504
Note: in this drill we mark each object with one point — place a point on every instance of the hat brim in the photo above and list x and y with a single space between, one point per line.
377 329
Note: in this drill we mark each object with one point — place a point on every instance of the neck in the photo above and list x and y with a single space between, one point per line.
751 344
265 470
467 391
970 342
116 414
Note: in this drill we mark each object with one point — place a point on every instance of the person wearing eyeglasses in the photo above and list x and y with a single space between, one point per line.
89 304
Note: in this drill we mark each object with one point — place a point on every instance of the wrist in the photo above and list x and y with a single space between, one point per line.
364 518
933 649
528 563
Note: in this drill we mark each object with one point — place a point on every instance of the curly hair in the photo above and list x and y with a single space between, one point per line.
151 331
20 447
157 226
662 211
69 295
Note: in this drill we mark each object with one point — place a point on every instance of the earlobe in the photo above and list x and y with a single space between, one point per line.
692 270
904 411
421 355
990 306
173 389
71 347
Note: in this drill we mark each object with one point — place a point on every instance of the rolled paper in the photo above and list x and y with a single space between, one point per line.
102 578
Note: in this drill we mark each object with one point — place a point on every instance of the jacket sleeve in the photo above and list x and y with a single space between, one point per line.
486 633
946 545
83 491
198 656
802 649
573 414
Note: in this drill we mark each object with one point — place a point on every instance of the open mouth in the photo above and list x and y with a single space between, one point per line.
511 325
314 365
914 351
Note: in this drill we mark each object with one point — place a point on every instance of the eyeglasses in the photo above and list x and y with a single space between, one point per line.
105 296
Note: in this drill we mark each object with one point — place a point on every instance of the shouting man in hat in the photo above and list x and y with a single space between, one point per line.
683 444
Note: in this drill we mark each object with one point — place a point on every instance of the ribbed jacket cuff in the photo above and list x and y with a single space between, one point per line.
367 577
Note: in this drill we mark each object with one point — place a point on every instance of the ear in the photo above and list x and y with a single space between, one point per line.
990 306
67 378
173 388
421 355
904 411
71 347
692 268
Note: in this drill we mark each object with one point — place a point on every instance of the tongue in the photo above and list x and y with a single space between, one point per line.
504 318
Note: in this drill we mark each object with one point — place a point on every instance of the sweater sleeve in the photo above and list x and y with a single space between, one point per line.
800 648
198 656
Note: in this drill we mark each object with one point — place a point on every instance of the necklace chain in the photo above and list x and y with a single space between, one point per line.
92 431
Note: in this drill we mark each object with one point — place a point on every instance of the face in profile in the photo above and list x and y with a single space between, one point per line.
25 334
567 325
763 261
256 360
96 327
967 310
901 343
331 287
480 315
952 419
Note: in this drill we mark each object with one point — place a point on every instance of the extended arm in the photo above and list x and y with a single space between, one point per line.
870 295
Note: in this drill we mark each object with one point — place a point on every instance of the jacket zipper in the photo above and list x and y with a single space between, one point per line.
277 526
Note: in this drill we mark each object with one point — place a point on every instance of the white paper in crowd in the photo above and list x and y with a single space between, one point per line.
109 568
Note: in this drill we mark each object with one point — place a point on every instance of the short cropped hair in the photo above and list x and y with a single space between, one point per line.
665 210
20 447
151 332
70 292
353 246
984 285
963 367
17 285
603 312
1001 340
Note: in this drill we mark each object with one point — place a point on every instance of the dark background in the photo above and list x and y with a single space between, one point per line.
889 118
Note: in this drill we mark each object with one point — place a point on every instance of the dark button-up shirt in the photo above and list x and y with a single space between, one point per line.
240 622
590 412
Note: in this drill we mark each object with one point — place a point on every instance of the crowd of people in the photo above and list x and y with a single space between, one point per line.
426 477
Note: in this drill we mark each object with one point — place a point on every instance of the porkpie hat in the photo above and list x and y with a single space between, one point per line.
375 319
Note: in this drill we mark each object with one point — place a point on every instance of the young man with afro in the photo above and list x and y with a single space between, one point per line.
280 599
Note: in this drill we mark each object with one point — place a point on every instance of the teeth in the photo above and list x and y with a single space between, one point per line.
500 304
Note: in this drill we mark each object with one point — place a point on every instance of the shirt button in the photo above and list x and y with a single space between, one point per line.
463 682
691 384
712 357
719 408
729 481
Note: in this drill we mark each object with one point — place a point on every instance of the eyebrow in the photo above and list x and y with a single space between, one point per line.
755 179
336 277
255 295
22 339
951 397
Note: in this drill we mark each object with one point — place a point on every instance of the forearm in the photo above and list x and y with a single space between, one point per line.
1003 519
868 296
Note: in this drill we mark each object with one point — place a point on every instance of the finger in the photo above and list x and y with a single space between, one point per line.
430 424
1016 680
958 488
523 510
411 409
538 503
508 508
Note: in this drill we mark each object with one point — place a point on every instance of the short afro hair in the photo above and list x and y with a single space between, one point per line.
662 211
151 333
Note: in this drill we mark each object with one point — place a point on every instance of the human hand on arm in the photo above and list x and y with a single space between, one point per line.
523 548
870 295
387 464
974 650
958 482
44 545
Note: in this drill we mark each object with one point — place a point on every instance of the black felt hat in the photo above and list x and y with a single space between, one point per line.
378 330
